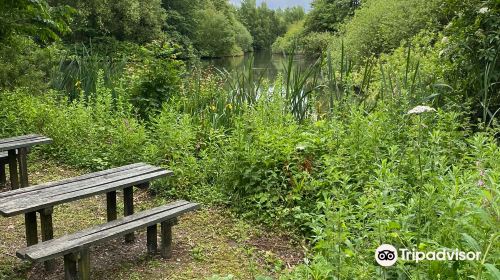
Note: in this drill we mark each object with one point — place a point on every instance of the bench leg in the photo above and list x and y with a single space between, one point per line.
23 167
31 228
128 209
166 238
3 177
47 233
152 239
70 268
14 177
84 265
111 206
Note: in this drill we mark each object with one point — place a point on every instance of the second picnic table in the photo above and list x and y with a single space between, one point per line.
14 150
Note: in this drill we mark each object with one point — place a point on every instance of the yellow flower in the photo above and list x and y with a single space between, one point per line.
229 106
212 107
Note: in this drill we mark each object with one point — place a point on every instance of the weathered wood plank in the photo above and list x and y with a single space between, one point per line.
102 233
166 239
152 239
128 209
19 138
111 206
66 182
3 155
84 264
47 233
24 143
3 175
23 167
14 177
31 228
22 205
70 268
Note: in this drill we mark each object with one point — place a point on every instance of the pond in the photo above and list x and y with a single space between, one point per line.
263 62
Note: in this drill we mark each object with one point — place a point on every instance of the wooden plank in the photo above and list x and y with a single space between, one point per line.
31 228
3 155
25 143
70 268
13 176
102 233
128 209
23 167
88 180
152 239
118 222
18 138
66 182
57 188
84 265
3 175
47 233
166 239
22 205
111 206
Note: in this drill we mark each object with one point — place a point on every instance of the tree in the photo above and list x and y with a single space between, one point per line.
262 23
33 18
327 15
215 35
139 21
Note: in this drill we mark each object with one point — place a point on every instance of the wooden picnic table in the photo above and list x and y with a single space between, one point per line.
17 149
42 198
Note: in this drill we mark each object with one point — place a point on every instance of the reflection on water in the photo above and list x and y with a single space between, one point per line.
270 63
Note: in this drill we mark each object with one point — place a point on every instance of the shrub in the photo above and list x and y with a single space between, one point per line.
379 26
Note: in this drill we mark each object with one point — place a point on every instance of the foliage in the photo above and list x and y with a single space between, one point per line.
315 43
33 18
215 37
472 44
18 56
328 15
157 79
289 42
263 23
138 21
379 26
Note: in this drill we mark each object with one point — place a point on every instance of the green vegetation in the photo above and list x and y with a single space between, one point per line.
334 152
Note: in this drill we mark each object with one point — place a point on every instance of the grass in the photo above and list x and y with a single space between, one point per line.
208 242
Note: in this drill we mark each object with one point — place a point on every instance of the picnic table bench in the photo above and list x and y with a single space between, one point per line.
13 151
42 198
75 247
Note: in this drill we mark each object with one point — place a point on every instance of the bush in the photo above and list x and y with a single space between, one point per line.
379 26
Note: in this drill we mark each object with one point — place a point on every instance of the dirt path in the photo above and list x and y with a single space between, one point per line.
208 242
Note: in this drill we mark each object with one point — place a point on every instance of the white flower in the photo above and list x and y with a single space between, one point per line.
484 10
421 109
445 40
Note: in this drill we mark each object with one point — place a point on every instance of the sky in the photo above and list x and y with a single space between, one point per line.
274 4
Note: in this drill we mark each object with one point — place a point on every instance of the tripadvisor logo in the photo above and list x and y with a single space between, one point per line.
387 255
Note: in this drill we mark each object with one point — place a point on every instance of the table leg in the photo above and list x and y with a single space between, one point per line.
128 208
152 239
47 233
3 177
70 266
23 167
166 239
14 178
111 205
84 265
31 228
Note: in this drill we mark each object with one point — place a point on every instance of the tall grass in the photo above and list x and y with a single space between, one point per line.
77 74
